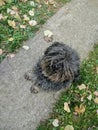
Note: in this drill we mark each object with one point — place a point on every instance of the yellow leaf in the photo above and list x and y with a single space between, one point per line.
80 109
12 23
82 86
96 100
69 127
55 123
66 107
2 2
1 51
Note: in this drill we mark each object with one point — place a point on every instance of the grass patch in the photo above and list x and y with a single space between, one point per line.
15 27
88 119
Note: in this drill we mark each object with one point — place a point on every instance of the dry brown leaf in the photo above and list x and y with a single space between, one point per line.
97 111
69 127
1 51
66 107
1 16
80 109
97 70
82 99
2 2
24 1
15 8
82 86
12 23
96 100
55 123
96 93
52 2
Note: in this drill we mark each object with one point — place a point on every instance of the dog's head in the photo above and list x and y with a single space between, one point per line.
59 63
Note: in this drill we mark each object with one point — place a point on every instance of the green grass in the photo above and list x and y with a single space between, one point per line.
42 12
87 119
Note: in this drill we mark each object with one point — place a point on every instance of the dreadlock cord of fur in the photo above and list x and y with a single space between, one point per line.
58 67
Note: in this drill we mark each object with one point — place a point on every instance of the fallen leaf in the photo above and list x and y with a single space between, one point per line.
32 3
2 2
96 93
82 99
17 16
97 70
52 2
82 86
89 97
9 10
69 127
31 13
11 39
12 23
15 8
75 113
97 111
1 51
25 47
80 109
1 16
24 1
55 123
32 22
26 18
38 1
23 26
48 33
11 55
96 100
5 17
66 107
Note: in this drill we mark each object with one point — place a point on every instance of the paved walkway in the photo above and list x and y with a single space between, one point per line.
76 24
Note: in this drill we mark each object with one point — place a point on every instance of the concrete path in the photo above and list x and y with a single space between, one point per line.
76 24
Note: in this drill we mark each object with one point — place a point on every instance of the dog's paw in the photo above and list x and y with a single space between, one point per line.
34 89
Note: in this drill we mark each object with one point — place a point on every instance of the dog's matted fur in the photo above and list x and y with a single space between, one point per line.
58 67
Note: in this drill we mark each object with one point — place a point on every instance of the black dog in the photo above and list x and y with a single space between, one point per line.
57 69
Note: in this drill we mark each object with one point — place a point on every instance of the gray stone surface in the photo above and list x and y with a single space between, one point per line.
76 24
